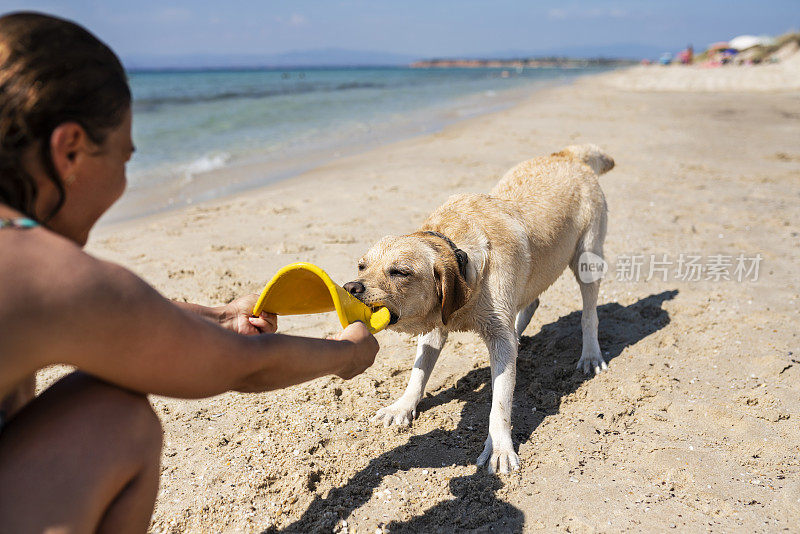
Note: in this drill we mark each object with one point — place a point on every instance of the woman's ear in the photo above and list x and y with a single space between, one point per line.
452 287
68 145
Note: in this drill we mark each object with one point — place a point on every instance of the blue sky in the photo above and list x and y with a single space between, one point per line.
421 28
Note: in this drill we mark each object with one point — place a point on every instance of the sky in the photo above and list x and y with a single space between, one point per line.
415 28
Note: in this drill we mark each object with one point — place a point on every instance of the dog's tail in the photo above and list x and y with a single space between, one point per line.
592 156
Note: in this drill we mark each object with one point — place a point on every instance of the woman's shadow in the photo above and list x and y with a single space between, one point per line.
545 374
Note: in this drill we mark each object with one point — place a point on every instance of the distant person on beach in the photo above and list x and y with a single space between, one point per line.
686 56
84 455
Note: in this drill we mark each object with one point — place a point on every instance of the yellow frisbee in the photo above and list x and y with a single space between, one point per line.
301 288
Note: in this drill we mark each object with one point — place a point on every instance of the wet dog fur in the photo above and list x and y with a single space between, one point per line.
514 243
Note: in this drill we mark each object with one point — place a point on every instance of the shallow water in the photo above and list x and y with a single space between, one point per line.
269 124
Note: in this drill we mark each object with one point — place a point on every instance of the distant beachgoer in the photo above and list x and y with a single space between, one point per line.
686 56
84 455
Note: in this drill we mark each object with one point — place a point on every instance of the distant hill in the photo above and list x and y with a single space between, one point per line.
520 62
328 57
616 51
338 57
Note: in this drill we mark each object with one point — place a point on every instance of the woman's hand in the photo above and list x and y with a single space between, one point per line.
238 317
365 347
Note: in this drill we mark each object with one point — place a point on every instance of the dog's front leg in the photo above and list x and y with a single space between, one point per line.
499 449
405 408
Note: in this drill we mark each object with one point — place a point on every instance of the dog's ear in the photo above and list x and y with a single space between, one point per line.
453 289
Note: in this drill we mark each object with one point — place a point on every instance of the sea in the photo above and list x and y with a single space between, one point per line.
202 135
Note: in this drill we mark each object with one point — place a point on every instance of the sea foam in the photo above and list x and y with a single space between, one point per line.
206 163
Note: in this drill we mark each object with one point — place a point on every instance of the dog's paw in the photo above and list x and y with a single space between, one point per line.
592 362
400 413
499 458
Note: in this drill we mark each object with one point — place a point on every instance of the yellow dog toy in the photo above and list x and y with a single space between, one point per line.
301 288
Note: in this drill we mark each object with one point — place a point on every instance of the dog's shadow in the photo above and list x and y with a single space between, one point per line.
545 374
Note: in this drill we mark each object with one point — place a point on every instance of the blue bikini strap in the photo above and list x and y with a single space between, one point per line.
19 222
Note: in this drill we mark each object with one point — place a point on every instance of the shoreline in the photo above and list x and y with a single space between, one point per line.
297 172
251 173
694 424
776 78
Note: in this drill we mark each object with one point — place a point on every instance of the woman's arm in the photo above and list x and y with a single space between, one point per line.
236 315
212 313
22 394
115 326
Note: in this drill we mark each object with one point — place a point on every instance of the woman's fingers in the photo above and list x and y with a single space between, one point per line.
271 320
266 323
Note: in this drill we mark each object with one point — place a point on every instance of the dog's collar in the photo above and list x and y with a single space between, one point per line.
461 256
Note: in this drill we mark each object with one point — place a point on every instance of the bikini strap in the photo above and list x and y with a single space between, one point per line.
20 222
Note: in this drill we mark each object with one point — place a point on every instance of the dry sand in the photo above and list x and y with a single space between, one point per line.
764 78
695 426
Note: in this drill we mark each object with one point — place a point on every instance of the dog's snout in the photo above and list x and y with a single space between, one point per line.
355 287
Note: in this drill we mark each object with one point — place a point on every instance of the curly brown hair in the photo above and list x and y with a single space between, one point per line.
52 71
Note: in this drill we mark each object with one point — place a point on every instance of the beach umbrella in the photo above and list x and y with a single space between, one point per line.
743 42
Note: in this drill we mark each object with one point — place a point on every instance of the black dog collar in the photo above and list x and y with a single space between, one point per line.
461 256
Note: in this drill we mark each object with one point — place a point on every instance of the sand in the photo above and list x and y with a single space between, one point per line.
695 426
763 78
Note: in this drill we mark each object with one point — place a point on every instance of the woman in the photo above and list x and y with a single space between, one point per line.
84 455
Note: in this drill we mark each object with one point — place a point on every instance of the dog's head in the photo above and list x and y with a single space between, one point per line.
417 277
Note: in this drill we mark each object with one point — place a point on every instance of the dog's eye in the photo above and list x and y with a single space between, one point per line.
399 273
361 266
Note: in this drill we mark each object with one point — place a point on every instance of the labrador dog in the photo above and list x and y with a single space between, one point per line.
480 262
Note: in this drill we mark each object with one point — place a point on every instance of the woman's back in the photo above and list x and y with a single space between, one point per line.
38 270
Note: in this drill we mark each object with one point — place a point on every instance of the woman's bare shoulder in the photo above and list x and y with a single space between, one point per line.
40 263
39 272
47 279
